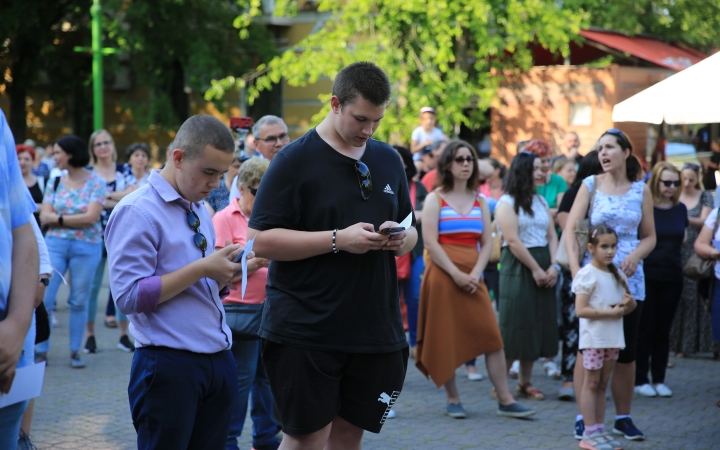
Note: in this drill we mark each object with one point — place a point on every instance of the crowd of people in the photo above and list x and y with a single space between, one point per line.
572 261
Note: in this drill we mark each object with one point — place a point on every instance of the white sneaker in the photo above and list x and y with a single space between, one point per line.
662 390
391 414
474 376
646 390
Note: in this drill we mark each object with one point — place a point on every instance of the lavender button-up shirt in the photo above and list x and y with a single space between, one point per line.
148 236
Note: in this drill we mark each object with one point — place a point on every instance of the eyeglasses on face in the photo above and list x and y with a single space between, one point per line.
669 183
273 139
364 179
199 239
101 144
464 159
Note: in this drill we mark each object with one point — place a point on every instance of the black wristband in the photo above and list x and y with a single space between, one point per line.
335 250
60 220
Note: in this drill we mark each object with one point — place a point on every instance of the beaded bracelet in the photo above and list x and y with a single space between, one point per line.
335 250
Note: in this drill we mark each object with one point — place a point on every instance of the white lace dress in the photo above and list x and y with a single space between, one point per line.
623 214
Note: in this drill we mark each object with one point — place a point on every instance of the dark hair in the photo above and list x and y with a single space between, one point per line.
137 146
497 165
445 178
362 78
519 182
593 234
410 169
200 131
589 166
632 165
77 148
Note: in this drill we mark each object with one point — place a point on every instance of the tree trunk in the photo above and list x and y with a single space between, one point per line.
178 97
17 91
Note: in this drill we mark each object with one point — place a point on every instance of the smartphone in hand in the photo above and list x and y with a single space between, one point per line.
392 230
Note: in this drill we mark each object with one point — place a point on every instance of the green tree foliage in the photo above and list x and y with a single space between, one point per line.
692 22
178 46
36 52
448 54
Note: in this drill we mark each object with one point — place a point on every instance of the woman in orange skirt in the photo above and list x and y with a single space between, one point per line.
456 320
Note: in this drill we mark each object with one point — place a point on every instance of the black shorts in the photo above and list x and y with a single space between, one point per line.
312 387
631 327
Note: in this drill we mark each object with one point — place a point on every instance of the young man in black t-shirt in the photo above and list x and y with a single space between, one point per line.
333 341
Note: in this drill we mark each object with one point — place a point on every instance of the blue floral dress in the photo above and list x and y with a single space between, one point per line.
623 214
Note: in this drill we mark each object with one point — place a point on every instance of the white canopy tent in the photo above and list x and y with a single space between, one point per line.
688 97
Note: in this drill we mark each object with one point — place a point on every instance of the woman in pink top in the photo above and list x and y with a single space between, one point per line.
242 314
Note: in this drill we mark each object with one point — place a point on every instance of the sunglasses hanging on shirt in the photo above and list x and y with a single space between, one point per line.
364 179
199 239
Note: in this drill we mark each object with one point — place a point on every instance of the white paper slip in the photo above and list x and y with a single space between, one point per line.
26 385
248 249
407 223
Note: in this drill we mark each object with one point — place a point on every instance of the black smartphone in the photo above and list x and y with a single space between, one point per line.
239 256
392 230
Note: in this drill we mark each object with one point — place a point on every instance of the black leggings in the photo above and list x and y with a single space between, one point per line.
569 334
653 344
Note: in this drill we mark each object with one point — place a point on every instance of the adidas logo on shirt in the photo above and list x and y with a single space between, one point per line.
387 190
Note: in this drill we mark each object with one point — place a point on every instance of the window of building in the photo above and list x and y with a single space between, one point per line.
580 114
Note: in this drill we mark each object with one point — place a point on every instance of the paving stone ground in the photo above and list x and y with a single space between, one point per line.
88 409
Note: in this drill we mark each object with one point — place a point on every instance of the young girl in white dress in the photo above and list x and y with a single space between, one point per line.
602 298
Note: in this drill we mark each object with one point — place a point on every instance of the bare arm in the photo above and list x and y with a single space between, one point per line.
486 170
703 244
561 219
585 311
21 301
577 212
82 220
698 222
646 233
486 243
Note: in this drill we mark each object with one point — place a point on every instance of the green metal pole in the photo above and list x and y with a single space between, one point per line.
97 66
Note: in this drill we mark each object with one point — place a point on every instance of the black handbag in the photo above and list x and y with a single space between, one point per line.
244 320
42 324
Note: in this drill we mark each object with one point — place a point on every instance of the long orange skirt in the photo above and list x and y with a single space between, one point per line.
453 326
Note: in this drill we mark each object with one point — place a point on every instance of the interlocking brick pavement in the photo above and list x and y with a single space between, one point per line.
88 409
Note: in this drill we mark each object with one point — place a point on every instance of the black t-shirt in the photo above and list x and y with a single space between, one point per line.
340 302
568 199
664 262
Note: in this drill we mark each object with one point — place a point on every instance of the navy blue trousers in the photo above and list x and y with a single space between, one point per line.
181 400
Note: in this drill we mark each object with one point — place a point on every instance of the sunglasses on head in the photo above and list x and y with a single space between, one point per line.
252 190
199 239
364 179
691 166
464 159
669 183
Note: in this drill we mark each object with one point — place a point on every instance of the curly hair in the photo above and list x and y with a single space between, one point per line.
519 182
252 171
539 147
445 179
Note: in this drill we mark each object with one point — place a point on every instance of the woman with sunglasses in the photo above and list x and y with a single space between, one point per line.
625 204
663 272
104 156
231 225
456 320
528 272
691 331
72 210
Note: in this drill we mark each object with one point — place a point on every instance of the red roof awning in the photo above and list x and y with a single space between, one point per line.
648 49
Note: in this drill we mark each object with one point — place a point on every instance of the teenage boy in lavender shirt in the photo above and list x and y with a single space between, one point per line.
168 280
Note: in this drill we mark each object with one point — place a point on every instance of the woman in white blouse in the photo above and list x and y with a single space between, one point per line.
528 272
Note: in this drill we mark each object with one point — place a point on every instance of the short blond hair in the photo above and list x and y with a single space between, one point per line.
654 180
252 171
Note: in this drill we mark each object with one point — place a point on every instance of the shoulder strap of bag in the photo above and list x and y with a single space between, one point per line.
592 196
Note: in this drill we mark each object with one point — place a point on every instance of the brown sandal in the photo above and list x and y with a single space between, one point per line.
530 391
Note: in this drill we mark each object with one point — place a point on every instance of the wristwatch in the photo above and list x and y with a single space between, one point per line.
60 220
45 281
